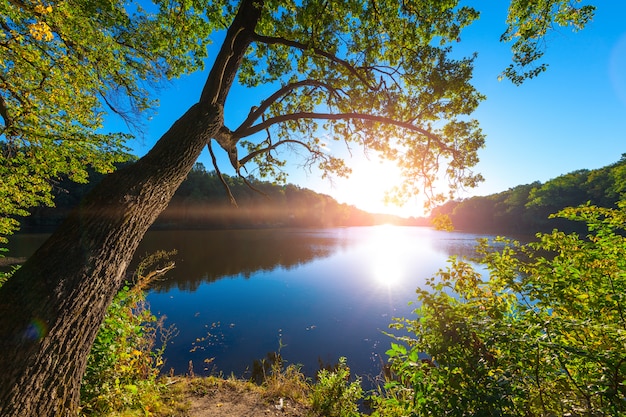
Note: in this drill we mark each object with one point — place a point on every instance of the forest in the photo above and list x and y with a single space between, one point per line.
526 209
202 202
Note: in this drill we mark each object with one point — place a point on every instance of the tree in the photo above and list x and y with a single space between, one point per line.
541 334
63 67
378 75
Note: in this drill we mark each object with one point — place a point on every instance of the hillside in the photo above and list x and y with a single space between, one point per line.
201 202
525 209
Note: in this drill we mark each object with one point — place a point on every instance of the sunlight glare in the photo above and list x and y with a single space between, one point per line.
388 248
369 182
367 185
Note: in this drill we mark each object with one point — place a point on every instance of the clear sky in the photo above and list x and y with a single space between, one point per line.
572 116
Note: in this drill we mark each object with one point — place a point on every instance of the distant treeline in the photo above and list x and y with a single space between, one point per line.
525 209
201 202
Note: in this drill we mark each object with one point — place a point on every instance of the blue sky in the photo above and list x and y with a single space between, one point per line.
571 117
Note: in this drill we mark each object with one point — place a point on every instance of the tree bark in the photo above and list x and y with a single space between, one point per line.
52 308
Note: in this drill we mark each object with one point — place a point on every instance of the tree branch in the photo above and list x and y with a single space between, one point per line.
273 40
251 155
255 113
158 272
347 116
15 94
253 188
220 176
4 113
228 60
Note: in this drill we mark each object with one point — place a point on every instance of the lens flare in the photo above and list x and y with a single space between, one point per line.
36 330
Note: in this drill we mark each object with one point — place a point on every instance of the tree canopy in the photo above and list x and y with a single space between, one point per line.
66 66
377 75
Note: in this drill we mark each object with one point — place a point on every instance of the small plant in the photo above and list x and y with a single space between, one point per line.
4 276
280 381
334 395
286 382
123 364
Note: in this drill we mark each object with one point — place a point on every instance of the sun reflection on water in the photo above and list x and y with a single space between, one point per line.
387 263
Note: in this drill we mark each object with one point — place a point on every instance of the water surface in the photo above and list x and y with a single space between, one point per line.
313 294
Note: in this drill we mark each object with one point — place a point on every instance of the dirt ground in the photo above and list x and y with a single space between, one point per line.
229 399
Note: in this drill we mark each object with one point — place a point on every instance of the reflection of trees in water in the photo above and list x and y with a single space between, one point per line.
457 244
206 256
464 244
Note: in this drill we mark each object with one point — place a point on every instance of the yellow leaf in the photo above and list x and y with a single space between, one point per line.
41 9
40 31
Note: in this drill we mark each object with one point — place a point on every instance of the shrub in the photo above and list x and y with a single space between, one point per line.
285 381
334 395
123 364
543 334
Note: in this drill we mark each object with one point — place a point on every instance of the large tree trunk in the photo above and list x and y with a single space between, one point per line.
51 309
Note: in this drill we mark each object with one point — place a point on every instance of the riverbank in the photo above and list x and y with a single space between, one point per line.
282 391
216 397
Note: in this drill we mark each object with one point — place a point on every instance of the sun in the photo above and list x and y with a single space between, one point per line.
369 182
366 187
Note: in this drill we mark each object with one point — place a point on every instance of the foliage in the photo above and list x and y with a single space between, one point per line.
200 202
379 76
528 23
280 380
528 207
334 395
543 334
124 364
64 67
286 382
4 276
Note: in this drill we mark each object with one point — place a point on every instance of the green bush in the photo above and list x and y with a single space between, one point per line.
124 364
334 395
543 334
